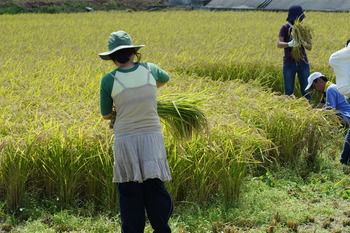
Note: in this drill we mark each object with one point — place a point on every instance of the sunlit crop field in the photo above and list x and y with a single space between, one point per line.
54 140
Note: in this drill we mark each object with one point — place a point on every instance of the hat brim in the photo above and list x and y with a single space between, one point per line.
309 87
311 80
294 17
105 55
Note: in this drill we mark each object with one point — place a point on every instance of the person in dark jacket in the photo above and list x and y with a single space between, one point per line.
291 67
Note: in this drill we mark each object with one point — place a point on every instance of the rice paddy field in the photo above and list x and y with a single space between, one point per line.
265 162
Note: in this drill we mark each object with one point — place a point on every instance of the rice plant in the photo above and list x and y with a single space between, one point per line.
16 168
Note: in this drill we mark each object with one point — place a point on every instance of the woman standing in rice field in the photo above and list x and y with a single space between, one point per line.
140 162
291 66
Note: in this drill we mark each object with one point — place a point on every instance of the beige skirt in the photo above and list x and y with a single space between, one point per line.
140 157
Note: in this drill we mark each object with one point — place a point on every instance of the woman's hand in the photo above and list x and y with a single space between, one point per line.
107 117
160 84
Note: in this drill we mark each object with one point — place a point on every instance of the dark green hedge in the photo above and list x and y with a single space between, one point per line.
75 6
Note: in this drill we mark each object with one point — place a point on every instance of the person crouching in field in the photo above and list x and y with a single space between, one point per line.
140 162
332 100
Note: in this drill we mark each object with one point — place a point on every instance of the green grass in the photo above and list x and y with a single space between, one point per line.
270 200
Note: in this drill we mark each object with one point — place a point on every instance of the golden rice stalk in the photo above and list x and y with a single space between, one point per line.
182 119
301 33
181 115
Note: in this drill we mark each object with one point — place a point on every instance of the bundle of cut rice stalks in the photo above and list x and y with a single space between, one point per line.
301 33
181 114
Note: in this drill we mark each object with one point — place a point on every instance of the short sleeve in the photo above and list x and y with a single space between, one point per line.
159 74
106 101
284 33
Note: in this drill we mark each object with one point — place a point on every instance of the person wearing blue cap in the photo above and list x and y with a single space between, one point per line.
140 162
291 67
332 99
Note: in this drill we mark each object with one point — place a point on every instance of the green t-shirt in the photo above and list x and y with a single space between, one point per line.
107 82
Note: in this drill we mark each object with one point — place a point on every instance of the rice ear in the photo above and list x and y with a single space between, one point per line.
301 33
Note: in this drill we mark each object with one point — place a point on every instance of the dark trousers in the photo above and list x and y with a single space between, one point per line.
289 72
345 156
135 198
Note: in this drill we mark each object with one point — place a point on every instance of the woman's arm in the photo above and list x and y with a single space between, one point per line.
106 101
281 44
161 76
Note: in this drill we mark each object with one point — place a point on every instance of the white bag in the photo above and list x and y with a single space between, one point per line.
340 62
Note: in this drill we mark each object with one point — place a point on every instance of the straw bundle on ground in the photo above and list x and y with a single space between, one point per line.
301 34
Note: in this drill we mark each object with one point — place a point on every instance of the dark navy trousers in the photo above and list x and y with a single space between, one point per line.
289 72
345 156
149 196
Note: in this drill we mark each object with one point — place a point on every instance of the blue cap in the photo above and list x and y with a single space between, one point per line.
295 12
